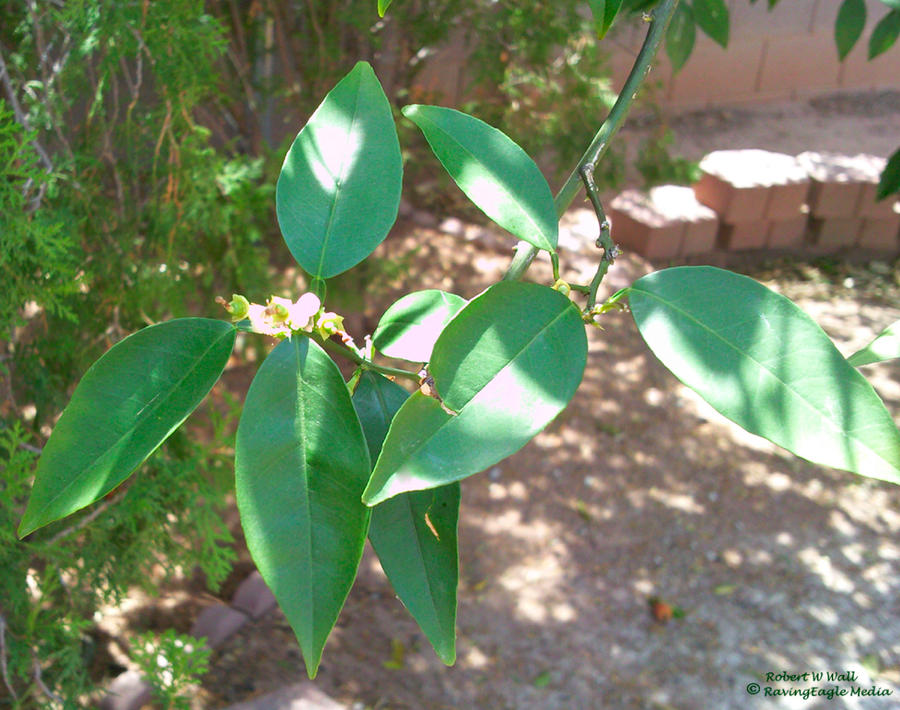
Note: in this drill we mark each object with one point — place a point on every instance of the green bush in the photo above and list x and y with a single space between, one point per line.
118 206
138 207
37 261
54 581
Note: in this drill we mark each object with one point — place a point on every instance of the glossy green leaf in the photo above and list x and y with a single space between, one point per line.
766 365
505 366
885 34
680 36
383 5
494 172
893 4
339 188
886 346
604 12
414 534
410 327
712 17
890 178
848 26
125 406
301 463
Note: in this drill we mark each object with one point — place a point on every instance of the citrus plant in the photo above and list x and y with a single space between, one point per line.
321 464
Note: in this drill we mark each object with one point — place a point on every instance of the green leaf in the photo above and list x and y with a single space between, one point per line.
890 178
301 463
414 534
494 172
885 34
712 17
680 36
766 365
893 4
604 12
410 327
383 5
125 406
848 27
886 346
506 365
339 188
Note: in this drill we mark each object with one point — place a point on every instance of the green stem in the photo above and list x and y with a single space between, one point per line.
662 15
604 241
355 358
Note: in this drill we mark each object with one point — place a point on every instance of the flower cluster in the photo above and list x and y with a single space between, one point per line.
280 317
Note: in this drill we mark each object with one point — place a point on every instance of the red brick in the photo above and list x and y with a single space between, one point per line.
657 224
749 185
880 234
836 181
253 597
651 242
129 691
744 235
699 237
787 233
833 199
870 208
787 201
731 203
216 623
834 233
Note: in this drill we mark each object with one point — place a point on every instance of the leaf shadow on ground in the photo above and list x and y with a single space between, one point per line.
636 490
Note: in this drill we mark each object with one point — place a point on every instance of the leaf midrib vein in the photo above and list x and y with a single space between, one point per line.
144 414
792 390
497 181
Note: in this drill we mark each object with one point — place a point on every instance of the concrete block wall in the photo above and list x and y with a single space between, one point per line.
755 200
782 54
785 53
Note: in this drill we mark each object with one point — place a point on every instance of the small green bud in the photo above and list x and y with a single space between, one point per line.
239 307
562 287
329 323
279 313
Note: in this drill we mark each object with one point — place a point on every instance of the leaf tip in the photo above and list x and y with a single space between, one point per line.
32 520
372 497
447 655
24 530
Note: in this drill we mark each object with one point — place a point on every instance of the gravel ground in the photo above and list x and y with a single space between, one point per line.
774 567
638 490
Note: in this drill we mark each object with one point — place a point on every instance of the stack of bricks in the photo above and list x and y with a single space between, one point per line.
759 197
755 200
842 206
665 223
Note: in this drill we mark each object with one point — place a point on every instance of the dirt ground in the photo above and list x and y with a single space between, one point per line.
639 490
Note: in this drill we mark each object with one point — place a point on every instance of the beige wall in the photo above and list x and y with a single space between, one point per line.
786 53
783 54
